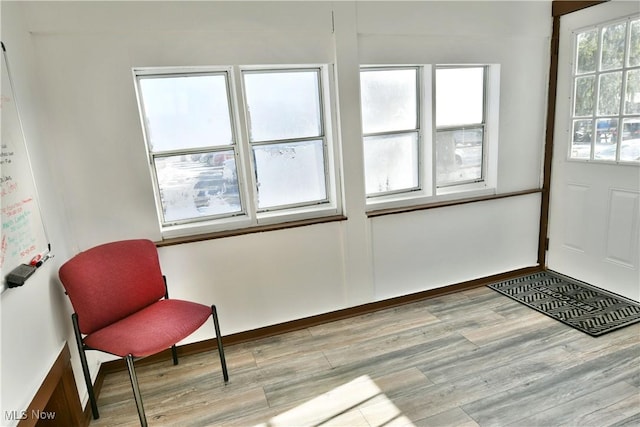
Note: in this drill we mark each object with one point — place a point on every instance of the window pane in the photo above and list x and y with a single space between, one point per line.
459 96
283 105
630 145
587 52
613 38
632 98
186 112
467 136
585 96
581 144
605 152
389 100
606 131
456 162
602 100
610 88
290 173
391 163
630 151
606 138
634 44
631 129
194 186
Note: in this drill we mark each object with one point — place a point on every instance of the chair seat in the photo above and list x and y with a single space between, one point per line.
150 330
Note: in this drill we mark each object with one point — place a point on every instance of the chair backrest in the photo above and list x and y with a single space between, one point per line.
109 282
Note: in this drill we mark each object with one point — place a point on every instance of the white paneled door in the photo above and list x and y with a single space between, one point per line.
594 218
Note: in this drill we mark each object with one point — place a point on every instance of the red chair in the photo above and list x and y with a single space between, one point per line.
122 307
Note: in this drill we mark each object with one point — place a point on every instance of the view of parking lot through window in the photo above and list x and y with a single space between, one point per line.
195 185
190 138
606 93
199 144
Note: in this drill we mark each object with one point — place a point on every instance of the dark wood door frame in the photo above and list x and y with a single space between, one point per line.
558 9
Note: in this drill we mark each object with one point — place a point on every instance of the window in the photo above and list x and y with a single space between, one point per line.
425 130
391 127
287 137
460 124
226 156
606 93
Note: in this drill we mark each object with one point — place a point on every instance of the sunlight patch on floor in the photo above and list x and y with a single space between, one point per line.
357 403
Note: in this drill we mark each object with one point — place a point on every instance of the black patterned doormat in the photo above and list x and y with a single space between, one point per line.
585 308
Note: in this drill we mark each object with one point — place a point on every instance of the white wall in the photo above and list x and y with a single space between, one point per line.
34 317
84 52
434 248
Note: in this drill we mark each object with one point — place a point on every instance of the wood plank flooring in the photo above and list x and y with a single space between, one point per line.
474 358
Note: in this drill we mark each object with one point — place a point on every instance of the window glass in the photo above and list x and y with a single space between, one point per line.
631 129
391 162
585 96
186 112
459 96
290 173
634 43
613 46
630 144
459 155
587 52
283 105
399 157
189 135
609 89
460 103
197 185
606 131
630 152
582 136
389 100
203 169
632 96
391 129
606 94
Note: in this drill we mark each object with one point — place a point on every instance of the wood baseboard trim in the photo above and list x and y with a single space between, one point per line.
272 330
56 402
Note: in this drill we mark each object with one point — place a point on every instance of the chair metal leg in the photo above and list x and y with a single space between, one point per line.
85 367
136 390
216 324
174 353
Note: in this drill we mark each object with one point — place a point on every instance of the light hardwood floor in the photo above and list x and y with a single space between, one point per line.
465 359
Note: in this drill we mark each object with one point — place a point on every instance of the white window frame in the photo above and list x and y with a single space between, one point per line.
427 191
250 215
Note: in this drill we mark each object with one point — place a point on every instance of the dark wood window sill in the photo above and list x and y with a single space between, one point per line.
250 230
435 205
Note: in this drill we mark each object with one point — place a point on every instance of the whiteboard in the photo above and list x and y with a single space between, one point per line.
23 236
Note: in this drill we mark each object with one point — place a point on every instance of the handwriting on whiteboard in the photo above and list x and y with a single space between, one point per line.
16 215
